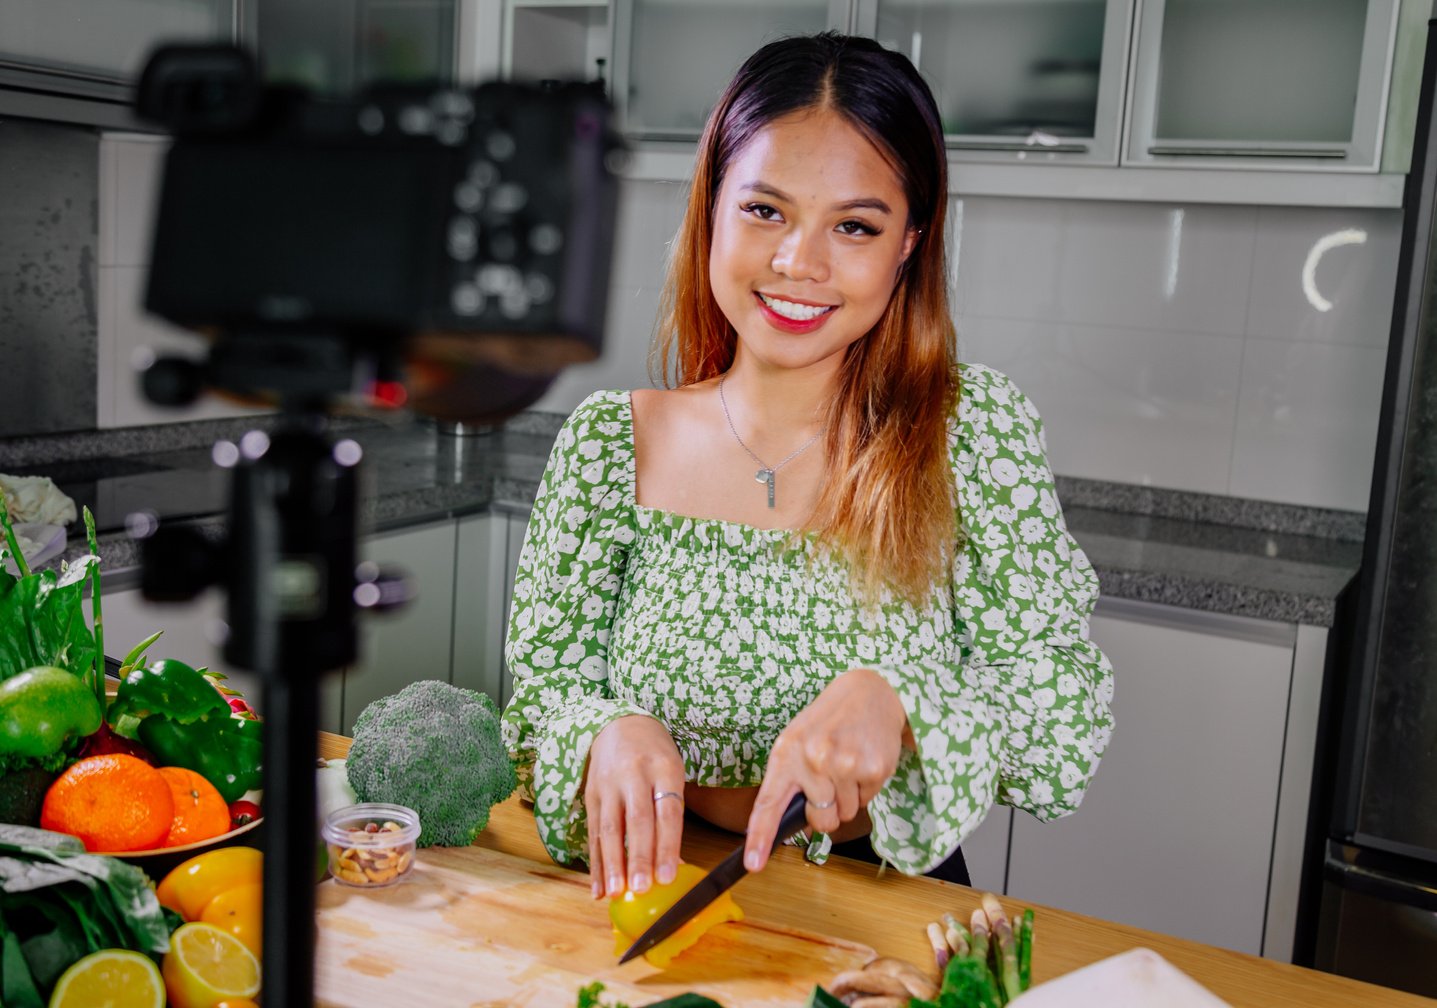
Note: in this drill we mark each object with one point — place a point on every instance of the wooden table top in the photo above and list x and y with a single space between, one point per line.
889 912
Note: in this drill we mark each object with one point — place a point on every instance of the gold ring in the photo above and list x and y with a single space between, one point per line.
661 795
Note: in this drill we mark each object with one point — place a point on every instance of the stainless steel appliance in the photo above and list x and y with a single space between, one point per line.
1369 899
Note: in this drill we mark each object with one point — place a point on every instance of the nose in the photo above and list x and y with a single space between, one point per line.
802 255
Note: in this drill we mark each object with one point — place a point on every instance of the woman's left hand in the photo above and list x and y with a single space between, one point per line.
838 751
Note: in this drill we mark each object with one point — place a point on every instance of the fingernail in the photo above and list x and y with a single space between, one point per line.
598 889
751 860
616 884
667 873
639 882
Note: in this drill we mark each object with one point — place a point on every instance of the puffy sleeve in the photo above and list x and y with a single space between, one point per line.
1019 711
570 572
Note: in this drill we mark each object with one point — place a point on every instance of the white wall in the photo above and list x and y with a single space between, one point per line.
1224 349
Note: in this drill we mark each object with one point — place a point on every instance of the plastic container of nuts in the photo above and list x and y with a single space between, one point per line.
371 845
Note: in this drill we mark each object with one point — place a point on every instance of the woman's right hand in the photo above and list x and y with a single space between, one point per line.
632 760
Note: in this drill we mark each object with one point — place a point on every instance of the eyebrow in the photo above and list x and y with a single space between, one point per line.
863 203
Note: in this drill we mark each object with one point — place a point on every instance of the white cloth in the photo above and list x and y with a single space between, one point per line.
37 499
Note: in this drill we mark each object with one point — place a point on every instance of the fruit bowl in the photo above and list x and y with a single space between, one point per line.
158 861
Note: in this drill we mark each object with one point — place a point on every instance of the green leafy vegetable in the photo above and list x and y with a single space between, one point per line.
58 904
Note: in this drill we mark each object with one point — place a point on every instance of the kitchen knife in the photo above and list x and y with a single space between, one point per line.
712 885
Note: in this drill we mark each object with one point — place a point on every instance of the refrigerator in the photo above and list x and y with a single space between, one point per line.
1368 905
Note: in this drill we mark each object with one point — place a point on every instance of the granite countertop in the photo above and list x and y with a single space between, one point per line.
1205 552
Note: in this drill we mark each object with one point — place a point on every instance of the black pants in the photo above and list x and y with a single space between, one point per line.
955 869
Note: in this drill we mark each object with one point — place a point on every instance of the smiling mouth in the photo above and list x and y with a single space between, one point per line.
794 311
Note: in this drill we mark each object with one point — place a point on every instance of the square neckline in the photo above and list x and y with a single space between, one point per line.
675 517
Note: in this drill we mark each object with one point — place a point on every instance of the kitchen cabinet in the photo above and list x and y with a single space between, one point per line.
1041 98
339 46
548 40
410 643
1261 83
673 57
1040 80
482 587
1179 831
73 60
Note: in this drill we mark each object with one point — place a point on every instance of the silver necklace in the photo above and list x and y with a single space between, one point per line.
765 472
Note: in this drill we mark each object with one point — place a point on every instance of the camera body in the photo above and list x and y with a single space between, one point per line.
466 232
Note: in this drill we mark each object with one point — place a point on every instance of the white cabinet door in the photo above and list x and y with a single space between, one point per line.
412 643
190 630
479 593
1176 833
1031 82
1261 83
673 57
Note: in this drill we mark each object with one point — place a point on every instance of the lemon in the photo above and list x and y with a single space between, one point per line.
205 965
111 978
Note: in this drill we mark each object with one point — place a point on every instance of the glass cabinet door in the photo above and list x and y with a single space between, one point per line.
675 56
1247 83
95 50
1016 79
338 46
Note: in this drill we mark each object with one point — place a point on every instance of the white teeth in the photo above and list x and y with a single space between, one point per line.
797 312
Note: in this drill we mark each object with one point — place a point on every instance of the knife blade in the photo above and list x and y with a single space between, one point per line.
712 885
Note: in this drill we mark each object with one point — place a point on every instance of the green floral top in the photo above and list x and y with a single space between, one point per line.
725 631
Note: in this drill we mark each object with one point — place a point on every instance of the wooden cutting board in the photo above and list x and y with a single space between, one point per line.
475 928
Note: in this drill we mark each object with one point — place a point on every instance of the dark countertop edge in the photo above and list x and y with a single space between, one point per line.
1213 509
415 508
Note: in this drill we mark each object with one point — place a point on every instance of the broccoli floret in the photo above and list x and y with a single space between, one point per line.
435 748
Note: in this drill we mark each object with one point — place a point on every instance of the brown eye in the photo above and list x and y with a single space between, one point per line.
857 227
761 210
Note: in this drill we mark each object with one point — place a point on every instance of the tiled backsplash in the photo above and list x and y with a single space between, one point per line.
1232 350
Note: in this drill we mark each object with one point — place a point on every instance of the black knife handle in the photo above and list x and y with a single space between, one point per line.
793 817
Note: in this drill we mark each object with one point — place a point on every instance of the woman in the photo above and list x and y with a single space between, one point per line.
829 560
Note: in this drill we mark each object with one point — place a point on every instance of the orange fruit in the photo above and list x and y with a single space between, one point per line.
190 886
200 812
237 1003
238 911
113 802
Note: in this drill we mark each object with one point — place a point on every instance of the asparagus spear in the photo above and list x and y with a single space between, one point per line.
956 935
1005 947
98 679
1025 948
941 952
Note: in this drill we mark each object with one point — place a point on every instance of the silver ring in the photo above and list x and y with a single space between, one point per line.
661 795
820 805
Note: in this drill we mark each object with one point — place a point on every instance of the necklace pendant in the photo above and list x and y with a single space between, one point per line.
763 476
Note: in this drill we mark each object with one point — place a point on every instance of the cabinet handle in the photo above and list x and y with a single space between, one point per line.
1010 145
1304 152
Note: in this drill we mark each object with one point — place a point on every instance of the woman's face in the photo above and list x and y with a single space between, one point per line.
810 229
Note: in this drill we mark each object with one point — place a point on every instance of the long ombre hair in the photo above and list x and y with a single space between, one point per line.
887 501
